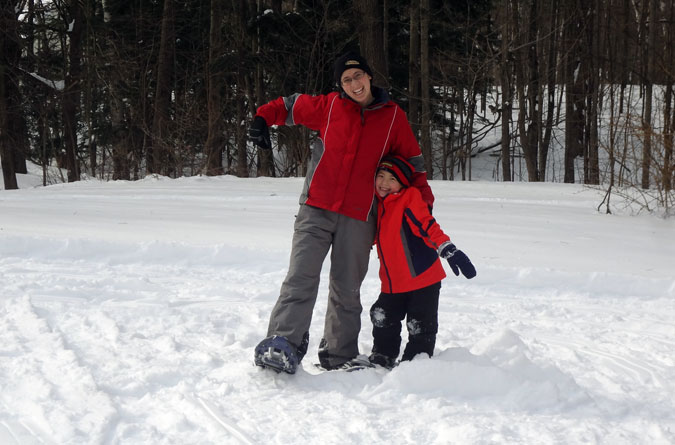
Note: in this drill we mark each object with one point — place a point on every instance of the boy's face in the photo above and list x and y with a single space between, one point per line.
386 183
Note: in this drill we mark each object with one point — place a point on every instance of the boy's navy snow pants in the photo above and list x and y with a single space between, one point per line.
421 308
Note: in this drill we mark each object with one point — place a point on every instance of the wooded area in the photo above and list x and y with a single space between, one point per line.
120 89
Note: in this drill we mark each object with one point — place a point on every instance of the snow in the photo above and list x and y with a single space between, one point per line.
58 85
130 311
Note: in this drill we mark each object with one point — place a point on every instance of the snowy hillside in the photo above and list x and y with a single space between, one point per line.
130 310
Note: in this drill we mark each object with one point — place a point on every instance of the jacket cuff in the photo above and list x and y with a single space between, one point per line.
443 246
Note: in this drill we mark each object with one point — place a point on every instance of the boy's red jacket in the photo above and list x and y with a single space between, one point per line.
407 241
352 141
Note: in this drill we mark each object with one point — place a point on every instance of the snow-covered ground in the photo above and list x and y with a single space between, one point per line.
130 310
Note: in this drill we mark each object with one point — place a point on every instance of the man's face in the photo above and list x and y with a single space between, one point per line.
356 83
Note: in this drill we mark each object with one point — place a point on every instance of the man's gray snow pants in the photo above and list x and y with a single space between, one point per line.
315 232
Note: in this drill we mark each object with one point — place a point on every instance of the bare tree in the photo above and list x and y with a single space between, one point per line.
158 81
73 88
528 88
159 155
549 74
414 67
650 54
88 89
574 92
371 38
10 51
425 125
256 94
669 109
118 69
215 80
505 77
592 84
241 7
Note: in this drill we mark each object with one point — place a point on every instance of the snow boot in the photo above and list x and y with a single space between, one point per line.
356 364
382 360
278 354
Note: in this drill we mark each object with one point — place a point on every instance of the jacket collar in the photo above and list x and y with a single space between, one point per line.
391 196
380 95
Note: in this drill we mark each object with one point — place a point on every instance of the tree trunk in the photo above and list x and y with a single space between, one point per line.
256 98
72 92
650 51
120 131
159 153
591 73
551 75
385 35
371 39
88 93
10 101
667 138
527 81
425 126
668 118
505 75
114 78
574 103
215 84
240 137
414 68
534 96
470 117
624 55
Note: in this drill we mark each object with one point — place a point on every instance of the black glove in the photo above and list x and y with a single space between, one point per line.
457 260
259 134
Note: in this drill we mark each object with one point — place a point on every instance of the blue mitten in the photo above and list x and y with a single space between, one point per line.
259 134
457 260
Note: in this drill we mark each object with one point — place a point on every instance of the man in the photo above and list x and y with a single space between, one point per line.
357 126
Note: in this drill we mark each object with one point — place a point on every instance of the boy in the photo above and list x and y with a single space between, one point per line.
409 243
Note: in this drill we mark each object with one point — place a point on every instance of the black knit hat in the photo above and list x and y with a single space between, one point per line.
399 167
347 61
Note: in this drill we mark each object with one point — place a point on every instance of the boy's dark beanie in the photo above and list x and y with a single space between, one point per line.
399 167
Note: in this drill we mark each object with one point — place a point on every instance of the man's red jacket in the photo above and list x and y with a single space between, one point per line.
352 141
407 239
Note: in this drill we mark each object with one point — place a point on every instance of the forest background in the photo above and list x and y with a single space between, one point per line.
118 89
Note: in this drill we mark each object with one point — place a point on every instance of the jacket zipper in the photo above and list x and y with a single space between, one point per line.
379 247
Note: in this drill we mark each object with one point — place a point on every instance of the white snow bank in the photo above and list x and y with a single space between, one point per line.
130 310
